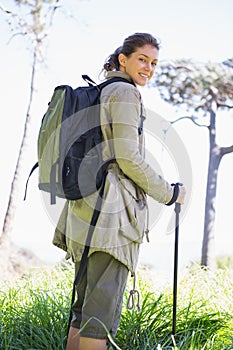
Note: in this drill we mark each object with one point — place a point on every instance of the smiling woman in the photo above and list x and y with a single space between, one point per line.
121 224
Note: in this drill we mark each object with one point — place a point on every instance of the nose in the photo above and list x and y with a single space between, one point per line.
149 66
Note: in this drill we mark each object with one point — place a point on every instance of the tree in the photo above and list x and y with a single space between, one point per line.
203 89
32 19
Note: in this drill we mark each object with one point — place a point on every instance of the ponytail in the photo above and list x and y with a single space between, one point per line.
112 62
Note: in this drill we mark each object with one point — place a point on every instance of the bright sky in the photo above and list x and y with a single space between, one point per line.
83 35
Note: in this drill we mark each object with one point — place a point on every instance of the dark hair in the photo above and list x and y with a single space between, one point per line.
130 45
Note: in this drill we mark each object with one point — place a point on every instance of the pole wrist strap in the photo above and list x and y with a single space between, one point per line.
175 193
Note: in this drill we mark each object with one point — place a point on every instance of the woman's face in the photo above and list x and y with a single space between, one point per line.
141 64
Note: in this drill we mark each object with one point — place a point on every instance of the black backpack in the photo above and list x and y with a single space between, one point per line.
69 142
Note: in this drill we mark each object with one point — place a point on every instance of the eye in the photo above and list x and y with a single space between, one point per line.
142 60
154 64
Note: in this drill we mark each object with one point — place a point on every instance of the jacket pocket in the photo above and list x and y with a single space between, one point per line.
132 217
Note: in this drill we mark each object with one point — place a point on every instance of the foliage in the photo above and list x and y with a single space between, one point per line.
192 84
35 310
31 19
225 261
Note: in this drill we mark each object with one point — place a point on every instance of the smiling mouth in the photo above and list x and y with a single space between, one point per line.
144 75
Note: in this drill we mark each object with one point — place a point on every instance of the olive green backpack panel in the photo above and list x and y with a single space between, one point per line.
48 140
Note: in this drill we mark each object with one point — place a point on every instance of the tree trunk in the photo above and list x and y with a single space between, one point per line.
215 156
208 245
14 260
11 207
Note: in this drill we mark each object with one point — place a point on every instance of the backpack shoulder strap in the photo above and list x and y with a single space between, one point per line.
113 80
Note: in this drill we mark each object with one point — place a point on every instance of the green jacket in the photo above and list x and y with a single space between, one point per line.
121 223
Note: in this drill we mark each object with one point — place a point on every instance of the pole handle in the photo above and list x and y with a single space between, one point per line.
175 193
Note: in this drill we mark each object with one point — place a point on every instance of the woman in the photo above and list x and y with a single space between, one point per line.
121 224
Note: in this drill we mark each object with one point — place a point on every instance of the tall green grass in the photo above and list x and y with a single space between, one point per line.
35 311
204 315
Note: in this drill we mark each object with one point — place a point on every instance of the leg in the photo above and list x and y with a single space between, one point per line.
73 335
75 342
92 344
100 295
73 339
106 280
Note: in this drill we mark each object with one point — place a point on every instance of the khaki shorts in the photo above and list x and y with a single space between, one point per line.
100 295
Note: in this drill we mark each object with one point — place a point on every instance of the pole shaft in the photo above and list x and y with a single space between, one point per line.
175 277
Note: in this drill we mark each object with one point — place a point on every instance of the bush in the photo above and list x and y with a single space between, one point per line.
35 312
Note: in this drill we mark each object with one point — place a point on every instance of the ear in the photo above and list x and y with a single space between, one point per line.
122 59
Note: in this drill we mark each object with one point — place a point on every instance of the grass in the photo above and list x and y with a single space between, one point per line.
204 315
35 311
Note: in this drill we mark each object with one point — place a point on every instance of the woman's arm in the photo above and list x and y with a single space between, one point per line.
125 112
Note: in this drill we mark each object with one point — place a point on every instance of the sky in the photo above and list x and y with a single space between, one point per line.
84 33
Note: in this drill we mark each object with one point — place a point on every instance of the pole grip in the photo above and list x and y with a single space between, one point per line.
175 193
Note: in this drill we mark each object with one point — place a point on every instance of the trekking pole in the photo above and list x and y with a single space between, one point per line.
177 211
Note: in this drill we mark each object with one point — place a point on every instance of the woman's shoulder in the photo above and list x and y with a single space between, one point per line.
122 89
118 74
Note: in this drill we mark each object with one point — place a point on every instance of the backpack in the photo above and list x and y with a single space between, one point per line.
69 142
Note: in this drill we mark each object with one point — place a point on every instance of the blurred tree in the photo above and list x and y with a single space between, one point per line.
202 89
32 19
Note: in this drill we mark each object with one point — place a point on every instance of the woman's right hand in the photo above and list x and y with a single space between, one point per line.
181 195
